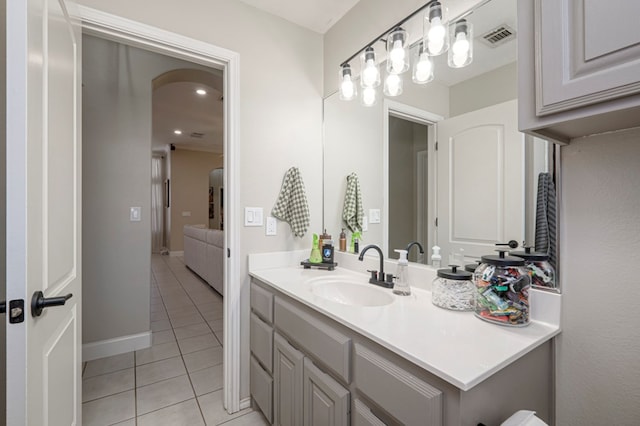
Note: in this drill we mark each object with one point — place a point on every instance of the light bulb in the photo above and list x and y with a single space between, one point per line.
370 74
396 56
423 69
393 85
435 36
369 96
461 52
347 87
461 45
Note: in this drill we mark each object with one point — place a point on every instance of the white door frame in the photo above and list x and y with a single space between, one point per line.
150 38
407 112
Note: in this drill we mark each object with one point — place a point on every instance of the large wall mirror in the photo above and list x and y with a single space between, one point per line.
476 187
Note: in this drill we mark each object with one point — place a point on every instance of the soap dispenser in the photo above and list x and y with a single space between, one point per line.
401 286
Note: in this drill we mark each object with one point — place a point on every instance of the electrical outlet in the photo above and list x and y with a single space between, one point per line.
365 224
271 227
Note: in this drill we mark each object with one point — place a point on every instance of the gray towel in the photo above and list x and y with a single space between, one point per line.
352 212
291 205
546 217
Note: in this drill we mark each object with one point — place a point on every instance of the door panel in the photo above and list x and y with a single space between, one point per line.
43 211
326 402
480 181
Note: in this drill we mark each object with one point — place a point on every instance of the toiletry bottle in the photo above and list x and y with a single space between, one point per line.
327 251
343 241
356 242
323 237
401 285
436 259
315 256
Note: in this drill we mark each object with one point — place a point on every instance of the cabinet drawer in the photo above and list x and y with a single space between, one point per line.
317 338
404 396
262 303
261 342
262 389
362 416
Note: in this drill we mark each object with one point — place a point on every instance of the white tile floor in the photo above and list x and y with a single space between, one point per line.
177 381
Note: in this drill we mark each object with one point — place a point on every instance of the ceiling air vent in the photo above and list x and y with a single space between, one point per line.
498 36
196 135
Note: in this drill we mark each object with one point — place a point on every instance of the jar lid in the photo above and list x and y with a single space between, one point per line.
471 267
454 274
527 254
502 260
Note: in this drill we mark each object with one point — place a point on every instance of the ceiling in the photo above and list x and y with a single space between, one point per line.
176 105
316 15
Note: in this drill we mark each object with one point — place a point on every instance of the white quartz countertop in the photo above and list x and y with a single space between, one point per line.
455 346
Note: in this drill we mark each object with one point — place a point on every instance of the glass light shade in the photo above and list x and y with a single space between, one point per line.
347 86
369 96
436 37
393 85
461 51
370 74
398 59
422 67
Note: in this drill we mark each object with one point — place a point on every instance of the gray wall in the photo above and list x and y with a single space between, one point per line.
116 167
280 112
598 352
491 88
3 207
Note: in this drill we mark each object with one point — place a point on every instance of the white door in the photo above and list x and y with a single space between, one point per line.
43 213
480 181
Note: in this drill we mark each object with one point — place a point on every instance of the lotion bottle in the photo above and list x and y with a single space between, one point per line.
401 286
436 258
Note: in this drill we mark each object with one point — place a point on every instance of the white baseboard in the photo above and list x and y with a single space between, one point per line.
116 346
245 403
176 253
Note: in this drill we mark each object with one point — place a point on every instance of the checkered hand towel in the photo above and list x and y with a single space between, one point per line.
291 205
352 212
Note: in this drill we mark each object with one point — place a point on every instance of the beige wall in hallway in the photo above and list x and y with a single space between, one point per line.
3 206
190 190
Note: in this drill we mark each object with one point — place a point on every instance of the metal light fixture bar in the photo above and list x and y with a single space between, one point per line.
414 13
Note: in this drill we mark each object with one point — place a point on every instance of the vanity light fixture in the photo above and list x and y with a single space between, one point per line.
177 131
393 85
398 61
347 86
422 66
369 96
461 52
436 39
370 69
201 92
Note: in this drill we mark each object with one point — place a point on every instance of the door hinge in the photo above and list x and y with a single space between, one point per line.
16 311
228 252
436 146
436 221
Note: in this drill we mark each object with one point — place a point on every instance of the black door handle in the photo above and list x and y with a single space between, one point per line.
3 307
39 302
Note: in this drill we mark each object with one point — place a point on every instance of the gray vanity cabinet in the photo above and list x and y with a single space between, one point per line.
326 402
288 377
261 344
578 66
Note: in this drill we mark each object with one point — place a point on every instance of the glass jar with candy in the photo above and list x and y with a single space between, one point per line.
542 273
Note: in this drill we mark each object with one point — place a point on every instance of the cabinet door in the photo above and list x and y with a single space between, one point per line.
326 402
287 377
362 415
588 51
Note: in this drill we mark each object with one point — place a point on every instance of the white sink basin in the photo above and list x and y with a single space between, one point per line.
350 292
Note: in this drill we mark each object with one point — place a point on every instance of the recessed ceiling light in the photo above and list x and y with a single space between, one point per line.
201 92
177 131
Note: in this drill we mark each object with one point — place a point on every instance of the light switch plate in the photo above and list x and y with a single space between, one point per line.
374 215
271 227
186 214
253 216
135 214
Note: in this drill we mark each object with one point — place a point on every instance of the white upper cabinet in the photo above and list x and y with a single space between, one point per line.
579 66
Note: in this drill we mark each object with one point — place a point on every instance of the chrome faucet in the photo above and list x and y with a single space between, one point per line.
378 278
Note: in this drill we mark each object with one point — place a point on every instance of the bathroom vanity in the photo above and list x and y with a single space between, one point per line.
327 348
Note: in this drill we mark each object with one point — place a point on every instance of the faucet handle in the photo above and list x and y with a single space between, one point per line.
374 274
389 278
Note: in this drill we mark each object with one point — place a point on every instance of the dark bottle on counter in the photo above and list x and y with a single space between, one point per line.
327 251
